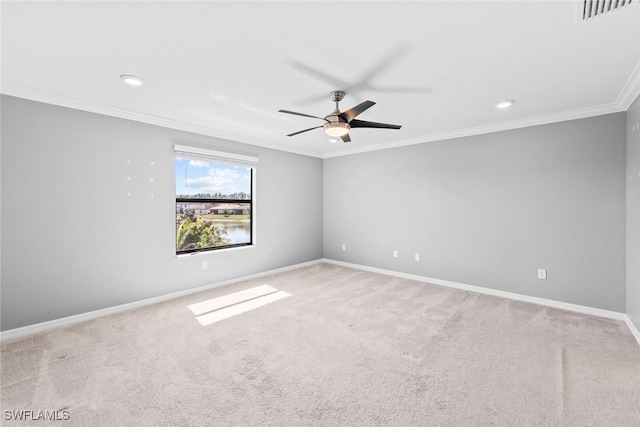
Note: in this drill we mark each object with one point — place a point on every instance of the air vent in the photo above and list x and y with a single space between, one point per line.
593 8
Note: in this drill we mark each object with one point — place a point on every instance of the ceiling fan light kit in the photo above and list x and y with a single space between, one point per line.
336 128
338 124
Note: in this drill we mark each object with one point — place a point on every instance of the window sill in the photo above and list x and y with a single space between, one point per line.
190 254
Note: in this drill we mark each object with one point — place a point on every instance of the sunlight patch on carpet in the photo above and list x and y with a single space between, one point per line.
216 309
231 299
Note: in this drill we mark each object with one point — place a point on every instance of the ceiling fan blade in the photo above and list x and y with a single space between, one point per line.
381 66
345 138
319 75
351 113
306 130
401 89
301 114
365 124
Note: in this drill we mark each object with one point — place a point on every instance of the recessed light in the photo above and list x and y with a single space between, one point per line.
132 80
333 140
505 104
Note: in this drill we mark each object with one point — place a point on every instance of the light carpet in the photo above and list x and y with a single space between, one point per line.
346 348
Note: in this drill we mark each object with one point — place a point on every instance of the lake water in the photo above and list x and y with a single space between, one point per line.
237 232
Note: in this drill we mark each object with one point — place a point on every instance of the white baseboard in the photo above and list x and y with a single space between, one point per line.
632 327
509 295
38 328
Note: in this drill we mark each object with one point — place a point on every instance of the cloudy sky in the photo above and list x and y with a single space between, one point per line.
197 176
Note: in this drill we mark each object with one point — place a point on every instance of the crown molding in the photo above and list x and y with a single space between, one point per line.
631 89
629 93
108 110
563 116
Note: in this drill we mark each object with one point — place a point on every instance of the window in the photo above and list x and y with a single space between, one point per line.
214 199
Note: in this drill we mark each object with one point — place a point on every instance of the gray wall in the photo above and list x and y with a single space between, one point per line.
486 210
73 241
489 210
633 213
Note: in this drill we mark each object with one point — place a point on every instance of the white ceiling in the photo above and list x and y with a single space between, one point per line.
225 68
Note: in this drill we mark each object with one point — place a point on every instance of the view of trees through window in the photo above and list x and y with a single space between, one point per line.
213 205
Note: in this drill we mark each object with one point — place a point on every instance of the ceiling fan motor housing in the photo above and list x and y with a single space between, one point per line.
338 124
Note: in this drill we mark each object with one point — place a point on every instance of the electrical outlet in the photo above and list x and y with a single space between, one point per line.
204 265
542 274
417 257
395 254
344 247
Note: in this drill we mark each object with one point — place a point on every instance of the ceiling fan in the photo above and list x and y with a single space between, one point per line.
338 123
